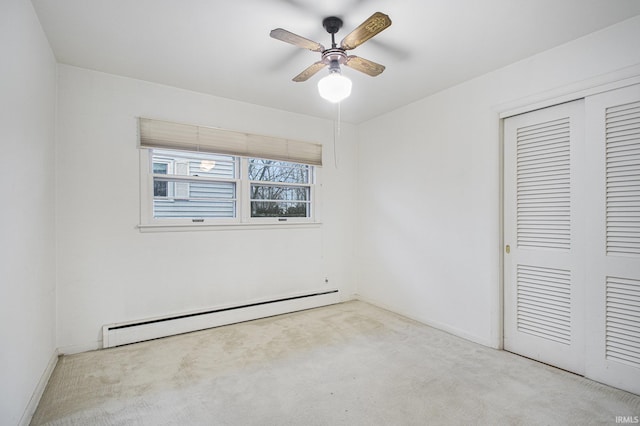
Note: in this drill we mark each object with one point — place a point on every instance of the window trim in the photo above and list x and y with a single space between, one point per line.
243 219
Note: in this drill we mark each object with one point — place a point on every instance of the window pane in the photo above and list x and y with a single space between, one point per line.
195 199
280 201
177 209
275 192
279 209
278 171
185 163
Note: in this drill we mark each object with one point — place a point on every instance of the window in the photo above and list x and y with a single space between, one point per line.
196 186
205 188
279 188
193 185
193 175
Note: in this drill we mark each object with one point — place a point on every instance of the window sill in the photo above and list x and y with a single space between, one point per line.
225 226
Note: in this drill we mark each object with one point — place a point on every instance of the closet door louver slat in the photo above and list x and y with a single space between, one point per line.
543 185
544 302
623 179
623 321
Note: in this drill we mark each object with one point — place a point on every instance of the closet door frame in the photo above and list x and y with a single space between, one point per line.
595 368
611 81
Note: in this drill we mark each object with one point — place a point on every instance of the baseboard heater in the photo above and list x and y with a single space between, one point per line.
154 328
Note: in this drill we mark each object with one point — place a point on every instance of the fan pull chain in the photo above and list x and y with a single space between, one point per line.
336 134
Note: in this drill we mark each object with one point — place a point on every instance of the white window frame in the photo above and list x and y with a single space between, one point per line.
243 217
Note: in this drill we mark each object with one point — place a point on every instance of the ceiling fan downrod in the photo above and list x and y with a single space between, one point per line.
332 24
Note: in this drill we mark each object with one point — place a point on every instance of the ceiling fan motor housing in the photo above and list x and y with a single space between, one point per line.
333 57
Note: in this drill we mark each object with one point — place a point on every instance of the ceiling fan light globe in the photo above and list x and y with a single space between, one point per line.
334 87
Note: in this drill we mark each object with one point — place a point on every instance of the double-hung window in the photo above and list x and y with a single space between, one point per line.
191 185
279 188
214 180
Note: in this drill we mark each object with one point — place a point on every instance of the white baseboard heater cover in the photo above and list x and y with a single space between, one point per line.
138 331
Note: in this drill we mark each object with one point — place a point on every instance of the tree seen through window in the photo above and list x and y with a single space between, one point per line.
279 188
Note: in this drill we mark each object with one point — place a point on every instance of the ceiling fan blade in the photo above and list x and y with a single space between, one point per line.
364 65
376 23
296 40
309 72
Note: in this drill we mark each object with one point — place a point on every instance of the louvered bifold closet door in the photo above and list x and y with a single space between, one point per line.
613 267
544 292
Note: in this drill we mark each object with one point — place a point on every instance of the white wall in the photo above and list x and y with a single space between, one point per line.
108 271
429 183
27 260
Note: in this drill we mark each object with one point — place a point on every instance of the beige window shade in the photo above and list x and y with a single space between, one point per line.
164 134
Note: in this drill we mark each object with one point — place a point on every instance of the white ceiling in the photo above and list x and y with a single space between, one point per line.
223 47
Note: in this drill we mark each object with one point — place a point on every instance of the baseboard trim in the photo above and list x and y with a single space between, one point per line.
39 390
440 326
76 349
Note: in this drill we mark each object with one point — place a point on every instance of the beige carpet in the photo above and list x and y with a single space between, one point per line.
348 364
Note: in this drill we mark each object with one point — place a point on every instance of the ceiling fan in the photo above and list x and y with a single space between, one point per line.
336 55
